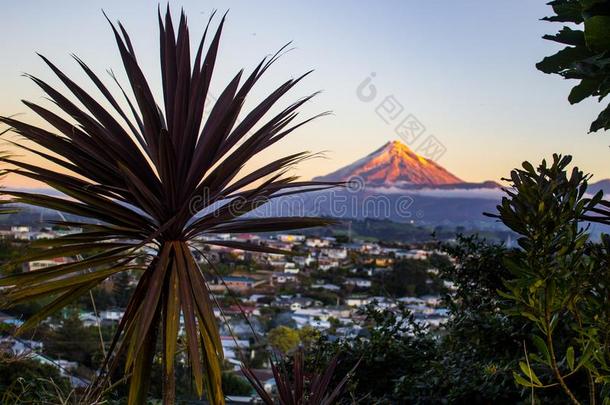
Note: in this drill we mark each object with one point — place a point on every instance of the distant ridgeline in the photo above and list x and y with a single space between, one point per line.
397 184
34 217
391 185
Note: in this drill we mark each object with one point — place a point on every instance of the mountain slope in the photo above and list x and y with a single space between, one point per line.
394 164
603 185
394 183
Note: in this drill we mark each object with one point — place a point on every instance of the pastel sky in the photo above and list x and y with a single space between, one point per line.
464 69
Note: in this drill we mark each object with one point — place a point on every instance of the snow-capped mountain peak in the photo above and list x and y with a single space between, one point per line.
395 164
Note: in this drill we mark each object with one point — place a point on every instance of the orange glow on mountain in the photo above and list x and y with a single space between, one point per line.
395 163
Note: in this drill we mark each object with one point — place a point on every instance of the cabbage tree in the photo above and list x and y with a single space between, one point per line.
144 178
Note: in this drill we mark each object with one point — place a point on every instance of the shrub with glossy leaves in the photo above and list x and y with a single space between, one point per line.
585 57
558 280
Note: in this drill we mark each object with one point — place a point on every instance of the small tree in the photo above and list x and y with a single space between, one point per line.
284 339
145 178
28 381
308 336
556 278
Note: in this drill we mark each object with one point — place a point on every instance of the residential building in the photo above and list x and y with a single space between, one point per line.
358 282
233 283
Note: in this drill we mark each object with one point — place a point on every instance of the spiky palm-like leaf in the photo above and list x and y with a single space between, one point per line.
299 387
138 175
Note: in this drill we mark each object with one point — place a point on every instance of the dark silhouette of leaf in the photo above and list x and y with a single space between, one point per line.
135 176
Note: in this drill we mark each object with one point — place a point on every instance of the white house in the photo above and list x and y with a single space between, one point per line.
358 282
89 319
291 238
357 301
432 300
335 253
44 235
229 343
291 268
114 315
43 264
303 261
313 322
317 242
413 254
328 286
370 248
326 264
283 278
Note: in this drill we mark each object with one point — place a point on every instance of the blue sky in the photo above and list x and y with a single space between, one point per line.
464 69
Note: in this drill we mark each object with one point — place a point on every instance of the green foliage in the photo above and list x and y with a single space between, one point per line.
393 346
283 338
479 346
479 272
26 381
586 55
308 336
9 251
74 342
558 280
324 296
235 385
122 289
470 359
407 278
